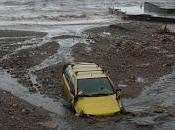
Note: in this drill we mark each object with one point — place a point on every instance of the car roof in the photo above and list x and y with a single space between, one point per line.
87 70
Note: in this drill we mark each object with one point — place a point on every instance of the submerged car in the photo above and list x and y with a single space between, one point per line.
90 90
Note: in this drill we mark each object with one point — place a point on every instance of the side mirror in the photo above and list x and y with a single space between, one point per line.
118 91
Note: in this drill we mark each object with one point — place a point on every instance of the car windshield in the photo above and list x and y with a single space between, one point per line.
94 87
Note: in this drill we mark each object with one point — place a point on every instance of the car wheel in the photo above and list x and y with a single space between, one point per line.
72 106
123 111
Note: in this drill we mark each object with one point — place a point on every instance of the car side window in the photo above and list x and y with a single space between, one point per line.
71 85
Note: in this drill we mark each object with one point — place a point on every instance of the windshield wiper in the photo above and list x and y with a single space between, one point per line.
84 95
103 94
95 95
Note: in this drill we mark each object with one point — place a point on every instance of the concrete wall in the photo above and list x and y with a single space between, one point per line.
150 7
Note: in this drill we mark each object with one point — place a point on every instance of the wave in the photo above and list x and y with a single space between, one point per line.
11 3
42 17
23 2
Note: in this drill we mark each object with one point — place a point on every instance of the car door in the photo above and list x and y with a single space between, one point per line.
69 87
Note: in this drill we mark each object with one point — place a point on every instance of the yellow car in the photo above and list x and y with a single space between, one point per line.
90 90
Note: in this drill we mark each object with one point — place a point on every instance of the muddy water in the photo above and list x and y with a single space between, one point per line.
11 85
63 53
57 18
158 102
45 15
153 108
161 92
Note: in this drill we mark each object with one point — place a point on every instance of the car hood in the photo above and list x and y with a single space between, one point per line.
103 105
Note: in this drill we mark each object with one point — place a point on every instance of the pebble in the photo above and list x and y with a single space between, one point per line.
49 124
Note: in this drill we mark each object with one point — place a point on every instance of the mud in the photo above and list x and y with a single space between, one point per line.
139 56
135 54
19 55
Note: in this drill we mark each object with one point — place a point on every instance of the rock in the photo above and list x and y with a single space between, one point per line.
34 88
4 92
159 109
132 78
23 110
144 121
49 124
14 105
143 65
168 65
140 80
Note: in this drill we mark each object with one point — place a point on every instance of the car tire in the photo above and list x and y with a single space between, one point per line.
123 111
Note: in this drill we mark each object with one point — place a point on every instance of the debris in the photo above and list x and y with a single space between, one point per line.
144 121
34 88
140 80
49 124
15 105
